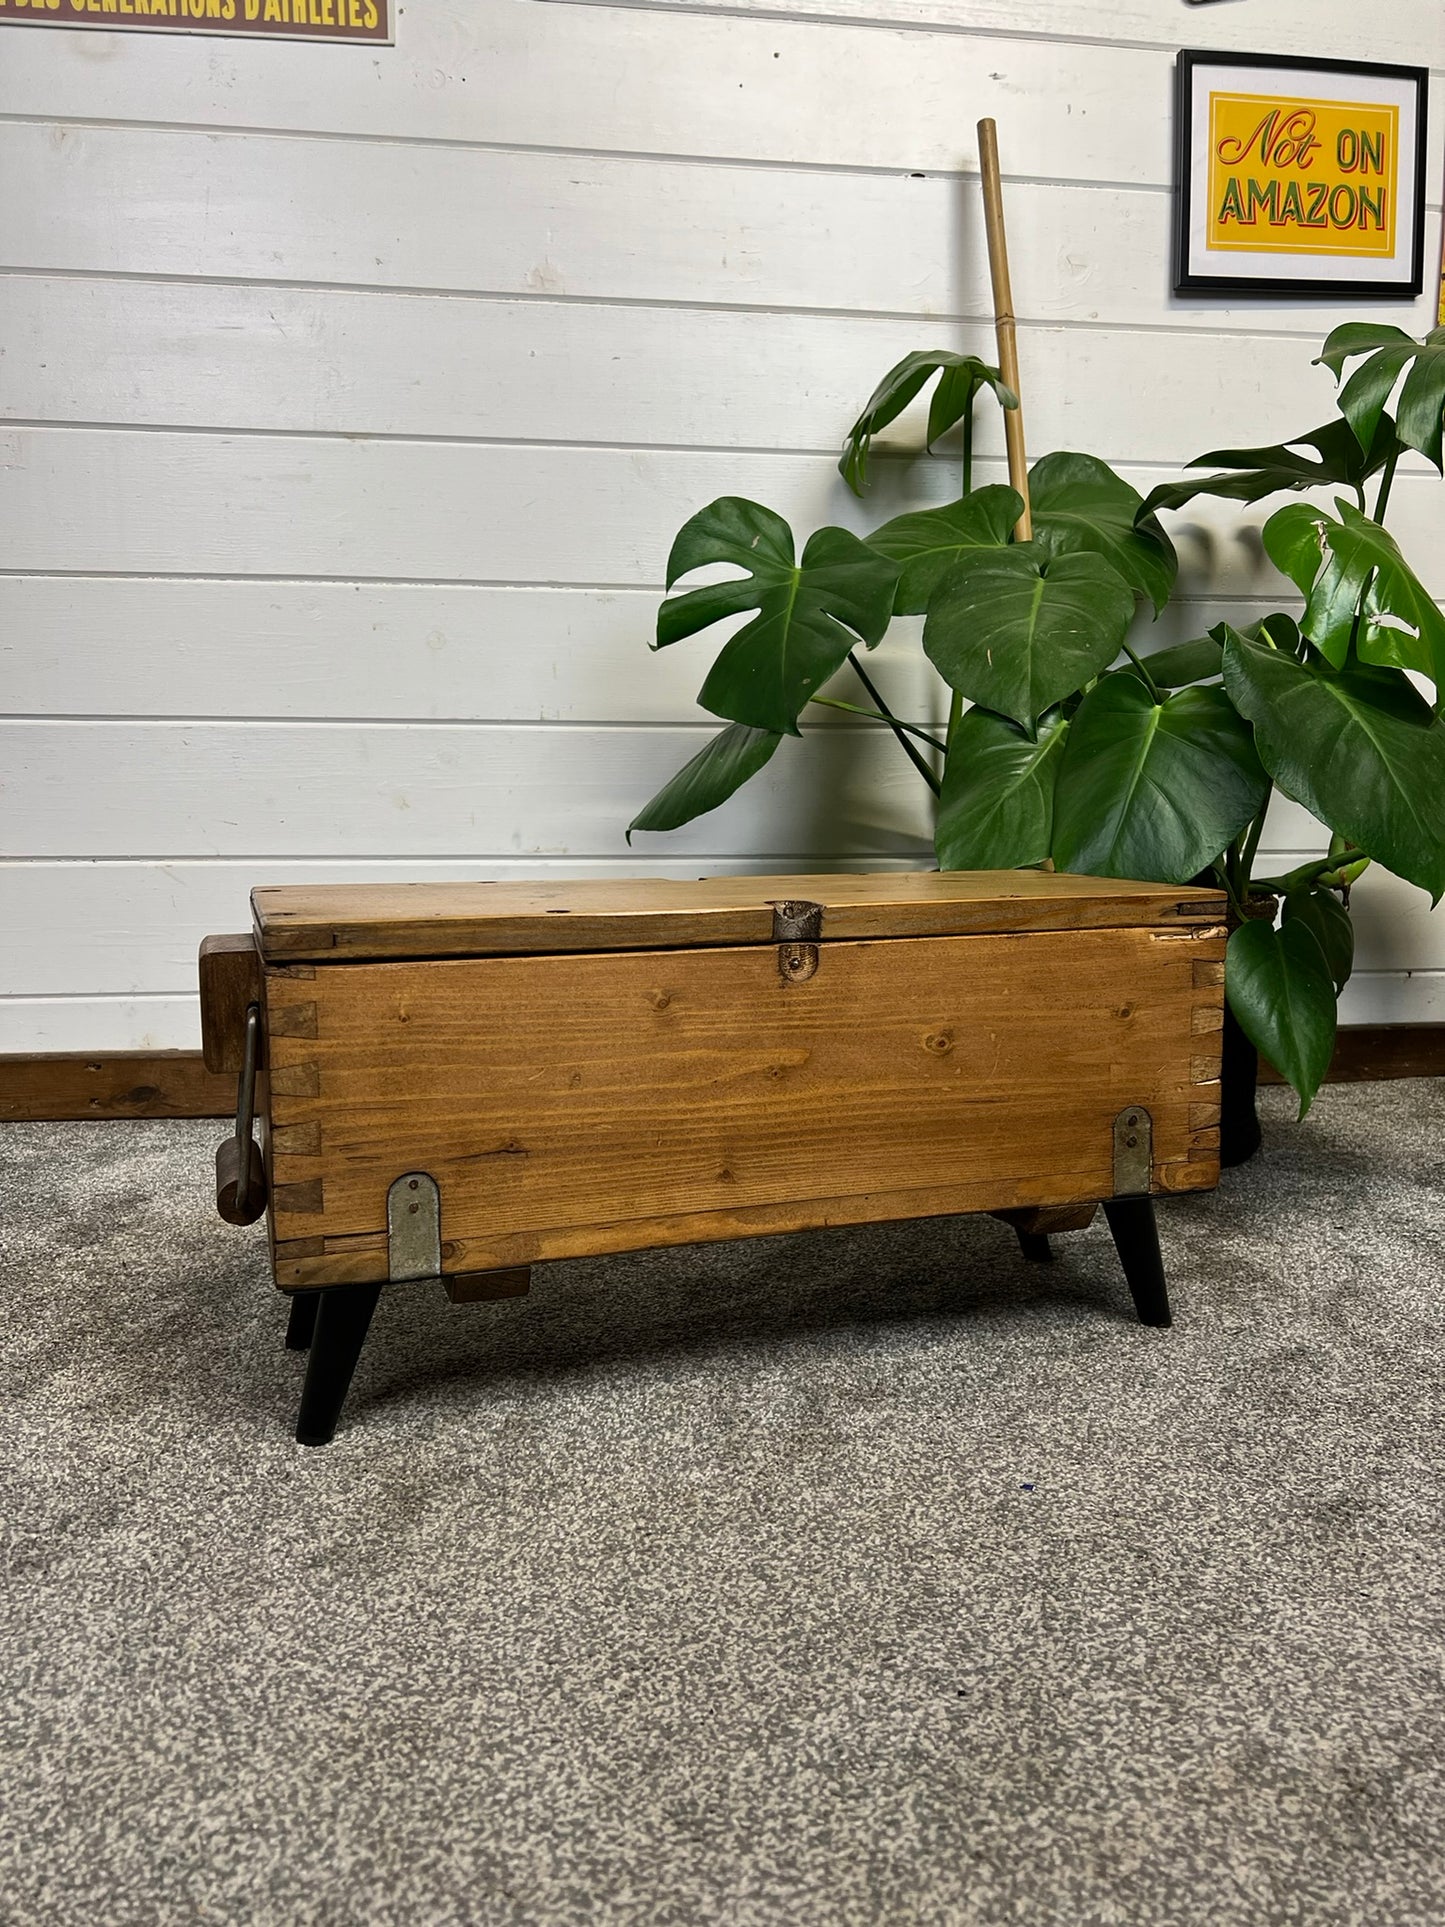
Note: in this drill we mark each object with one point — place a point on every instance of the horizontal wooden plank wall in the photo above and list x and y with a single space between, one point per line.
351 397
341 507
597 228
1083 99
333 362
1352 31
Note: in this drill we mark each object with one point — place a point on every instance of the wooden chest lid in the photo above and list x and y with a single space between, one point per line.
312 922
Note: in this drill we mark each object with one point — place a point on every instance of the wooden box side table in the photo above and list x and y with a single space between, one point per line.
460 1081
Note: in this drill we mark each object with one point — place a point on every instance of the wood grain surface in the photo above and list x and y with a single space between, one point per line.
641 913
229 969
568 1104
177 1084
63 1085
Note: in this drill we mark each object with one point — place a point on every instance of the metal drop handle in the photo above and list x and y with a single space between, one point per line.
240 1169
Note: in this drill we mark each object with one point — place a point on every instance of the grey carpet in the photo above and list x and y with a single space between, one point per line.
867 1577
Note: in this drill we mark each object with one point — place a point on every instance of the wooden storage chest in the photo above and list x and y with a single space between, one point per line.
462 1080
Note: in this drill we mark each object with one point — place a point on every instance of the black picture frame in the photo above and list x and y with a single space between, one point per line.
1236 284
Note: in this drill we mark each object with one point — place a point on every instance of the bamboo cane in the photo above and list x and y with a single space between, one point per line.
1003 309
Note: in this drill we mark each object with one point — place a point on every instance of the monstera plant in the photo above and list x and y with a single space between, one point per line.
1066 745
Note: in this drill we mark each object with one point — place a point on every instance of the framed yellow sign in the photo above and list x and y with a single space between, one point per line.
364 20
1299 176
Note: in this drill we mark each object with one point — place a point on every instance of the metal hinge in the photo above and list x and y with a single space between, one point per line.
414 1228
414 1248
797 928
1133 1152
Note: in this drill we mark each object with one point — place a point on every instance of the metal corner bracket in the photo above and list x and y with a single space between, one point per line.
414 1228
1133 1152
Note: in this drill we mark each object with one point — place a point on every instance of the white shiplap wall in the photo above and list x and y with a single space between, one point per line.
351 397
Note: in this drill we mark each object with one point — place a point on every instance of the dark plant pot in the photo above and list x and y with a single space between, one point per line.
1239 1132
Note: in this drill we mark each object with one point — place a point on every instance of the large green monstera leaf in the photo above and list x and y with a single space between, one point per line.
809 614
1254 473
1080 505
1420 416
961 378
997 807
927 543
1153 790
1018 629
1358 747
1359 586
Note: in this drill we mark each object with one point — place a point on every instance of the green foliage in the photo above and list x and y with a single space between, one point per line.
1279 988
1198 661
1357 747
1254 473
1361 590
961 378
800 635
733 755
1325 914
1390 352
997 807
1152 789
1080 504
1017 630
929 542
1159 766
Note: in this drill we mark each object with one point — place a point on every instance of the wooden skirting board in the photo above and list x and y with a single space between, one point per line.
75 1084
1365 1053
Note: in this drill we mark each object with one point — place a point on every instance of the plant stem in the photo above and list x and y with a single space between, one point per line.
834 702
1229 890
1386 483
1149 682
1251 841
955 701
955 717
1306 873
898 729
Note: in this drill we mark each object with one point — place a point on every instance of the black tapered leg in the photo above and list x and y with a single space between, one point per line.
342 1319
1036 1247
1136 1239
301 1326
